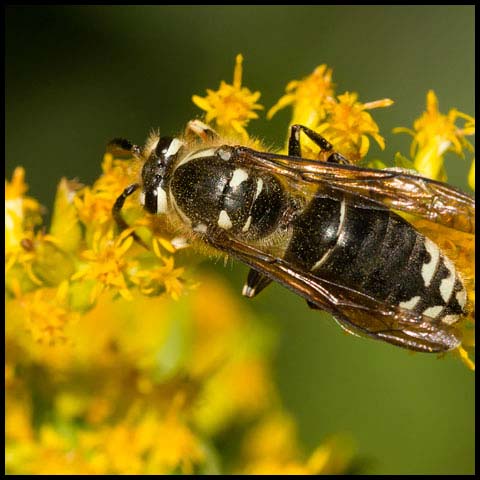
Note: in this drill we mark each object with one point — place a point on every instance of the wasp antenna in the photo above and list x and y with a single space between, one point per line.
122 146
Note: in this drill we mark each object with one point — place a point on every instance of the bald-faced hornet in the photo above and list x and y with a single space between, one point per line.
324 229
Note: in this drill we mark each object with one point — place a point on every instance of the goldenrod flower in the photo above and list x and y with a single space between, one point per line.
344 122
307 97
433 134
29 255
21 215
106 263
330 458
94 204
231 106
275 436
46 313
164 275
348 125
144 443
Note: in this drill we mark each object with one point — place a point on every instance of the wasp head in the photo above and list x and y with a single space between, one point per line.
156 174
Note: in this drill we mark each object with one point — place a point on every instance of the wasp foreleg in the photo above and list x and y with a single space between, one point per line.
117 212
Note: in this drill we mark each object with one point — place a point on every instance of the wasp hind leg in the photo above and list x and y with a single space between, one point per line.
255 283
295 148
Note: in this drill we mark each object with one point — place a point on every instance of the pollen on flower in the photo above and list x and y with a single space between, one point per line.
232 106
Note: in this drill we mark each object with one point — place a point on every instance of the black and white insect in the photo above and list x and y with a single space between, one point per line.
324 229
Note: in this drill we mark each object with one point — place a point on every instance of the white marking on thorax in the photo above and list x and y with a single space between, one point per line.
447 284
410 304
206 152
239 176
340 231
247 224
174 147
429 268
259 188
162 203
433 312
224 220
142 197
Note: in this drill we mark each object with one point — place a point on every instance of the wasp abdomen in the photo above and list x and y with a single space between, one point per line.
378 253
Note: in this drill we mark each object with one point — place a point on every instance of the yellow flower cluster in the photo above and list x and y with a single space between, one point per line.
151 386
433 134
343 120
118 361
231 106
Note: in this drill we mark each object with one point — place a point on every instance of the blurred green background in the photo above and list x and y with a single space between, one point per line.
79 76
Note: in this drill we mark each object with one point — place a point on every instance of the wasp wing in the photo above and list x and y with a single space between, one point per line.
395 189
356 312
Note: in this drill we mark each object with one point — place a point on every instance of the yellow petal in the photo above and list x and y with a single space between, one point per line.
364 145
282 103
237 72
201 102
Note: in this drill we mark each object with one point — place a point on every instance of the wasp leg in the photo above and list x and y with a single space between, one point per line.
119 146
295 149
117 212
255 283
202 130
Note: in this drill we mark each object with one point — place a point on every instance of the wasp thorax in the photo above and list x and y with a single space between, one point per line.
215 190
